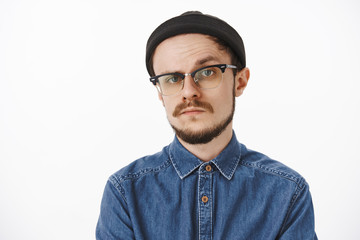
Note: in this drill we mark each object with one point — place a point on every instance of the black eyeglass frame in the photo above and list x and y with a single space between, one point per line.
222 67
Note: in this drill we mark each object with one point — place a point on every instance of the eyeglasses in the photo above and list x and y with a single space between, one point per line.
205 78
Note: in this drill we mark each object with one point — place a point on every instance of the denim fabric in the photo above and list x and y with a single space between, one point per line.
241 194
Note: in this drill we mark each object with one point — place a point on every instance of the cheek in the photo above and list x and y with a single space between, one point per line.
224 96
224 105
169 106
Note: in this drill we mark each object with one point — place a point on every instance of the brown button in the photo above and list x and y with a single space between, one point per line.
208 168
205 199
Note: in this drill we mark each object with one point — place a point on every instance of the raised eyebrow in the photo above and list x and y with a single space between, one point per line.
204 60
200 63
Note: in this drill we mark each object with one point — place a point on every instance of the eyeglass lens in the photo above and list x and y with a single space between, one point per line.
205 78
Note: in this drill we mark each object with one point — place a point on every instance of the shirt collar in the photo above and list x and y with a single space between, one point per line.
185 162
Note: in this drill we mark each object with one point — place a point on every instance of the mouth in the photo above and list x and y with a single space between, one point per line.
192 111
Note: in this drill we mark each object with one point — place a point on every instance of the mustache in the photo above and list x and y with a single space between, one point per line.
193 103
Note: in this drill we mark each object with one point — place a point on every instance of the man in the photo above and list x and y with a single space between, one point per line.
205 184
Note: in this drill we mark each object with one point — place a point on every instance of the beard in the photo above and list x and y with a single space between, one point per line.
205 135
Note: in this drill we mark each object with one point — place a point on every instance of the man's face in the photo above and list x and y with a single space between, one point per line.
197 115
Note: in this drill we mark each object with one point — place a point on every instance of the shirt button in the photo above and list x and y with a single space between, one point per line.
204 199
208 168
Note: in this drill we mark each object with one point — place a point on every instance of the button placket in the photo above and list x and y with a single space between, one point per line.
205 202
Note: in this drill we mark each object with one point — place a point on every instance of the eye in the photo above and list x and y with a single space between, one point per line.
207 72
172 79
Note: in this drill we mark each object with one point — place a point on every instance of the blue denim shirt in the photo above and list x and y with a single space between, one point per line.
240 194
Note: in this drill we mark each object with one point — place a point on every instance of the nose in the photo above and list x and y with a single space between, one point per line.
190 90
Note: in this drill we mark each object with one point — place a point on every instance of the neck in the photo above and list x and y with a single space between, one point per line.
208 151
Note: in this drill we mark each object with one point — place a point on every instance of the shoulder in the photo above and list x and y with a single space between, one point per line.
142 166
264 164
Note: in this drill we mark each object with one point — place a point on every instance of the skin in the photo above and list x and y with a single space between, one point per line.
184 54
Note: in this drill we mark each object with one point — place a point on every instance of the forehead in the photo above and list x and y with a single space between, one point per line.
186 52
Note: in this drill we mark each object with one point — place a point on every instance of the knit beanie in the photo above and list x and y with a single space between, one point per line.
195 22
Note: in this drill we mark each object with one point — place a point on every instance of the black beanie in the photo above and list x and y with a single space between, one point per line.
195 22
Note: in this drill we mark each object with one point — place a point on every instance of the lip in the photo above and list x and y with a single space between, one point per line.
192 111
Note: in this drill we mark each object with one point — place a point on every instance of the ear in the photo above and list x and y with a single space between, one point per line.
241 80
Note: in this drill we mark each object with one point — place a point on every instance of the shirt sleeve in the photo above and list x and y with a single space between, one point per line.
114 220
299 223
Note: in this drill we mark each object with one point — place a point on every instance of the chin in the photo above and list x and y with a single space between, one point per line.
202 135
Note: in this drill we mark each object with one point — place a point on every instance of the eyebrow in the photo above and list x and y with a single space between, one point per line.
204 60
199 63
